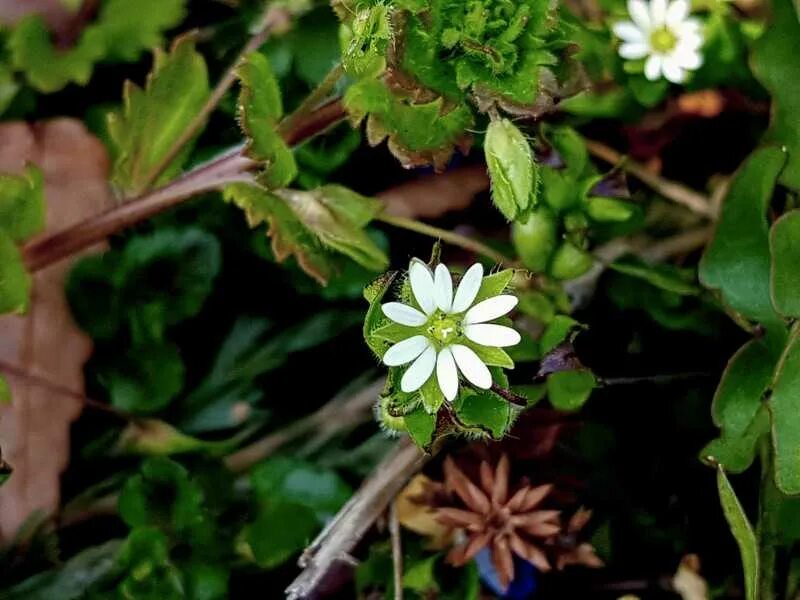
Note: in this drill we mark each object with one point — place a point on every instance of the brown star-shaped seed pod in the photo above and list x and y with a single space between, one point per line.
490 516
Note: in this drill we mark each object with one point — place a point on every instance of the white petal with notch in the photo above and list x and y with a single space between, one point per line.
446 374
443 288
490 309
492 335
420 370
468 288
421 279
405 351
471 366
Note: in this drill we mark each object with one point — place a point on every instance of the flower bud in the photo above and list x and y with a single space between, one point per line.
535 239
609 210
569 261
512 168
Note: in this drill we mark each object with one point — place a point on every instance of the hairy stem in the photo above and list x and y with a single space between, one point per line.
274 18
671 190
230 167
450 237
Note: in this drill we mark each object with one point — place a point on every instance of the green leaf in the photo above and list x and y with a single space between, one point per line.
784 404
785 275
46 68
22 204
737 406
145 379
535 239
153 282
131 27
609 210
152 119
420 576
15 283
512 168
494 285
295 481
5 391
72 580
281 530
260 109
737 261
562 328
364 54
664 277
431 395
421 425
418 134
569 390
743 533
485 411
490 355
149 573
776 64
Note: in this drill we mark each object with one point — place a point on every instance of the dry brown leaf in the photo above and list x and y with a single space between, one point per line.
419 518
434 195
34 429
687 580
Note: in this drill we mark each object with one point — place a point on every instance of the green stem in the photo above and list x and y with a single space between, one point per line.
767 527
313 100
450 237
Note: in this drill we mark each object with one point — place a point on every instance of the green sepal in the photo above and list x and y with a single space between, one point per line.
512 168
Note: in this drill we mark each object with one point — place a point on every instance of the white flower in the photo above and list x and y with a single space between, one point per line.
440 329
663 32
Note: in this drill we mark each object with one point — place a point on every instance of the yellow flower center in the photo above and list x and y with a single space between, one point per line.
663 40
443 328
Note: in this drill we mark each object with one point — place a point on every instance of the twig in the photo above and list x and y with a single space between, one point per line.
397 550
341 535
274 18
672 190
336 415
61 390
681 243
313 100
448 236
230 167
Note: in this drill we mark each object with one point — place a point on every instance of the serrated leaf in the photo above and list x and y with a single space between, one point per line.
260 109
743 533
776 64
512 168
486 411
737 261
364 54
431 395
15 283
152 119
737 403
785 274
569 390
418 133
21 204
784 405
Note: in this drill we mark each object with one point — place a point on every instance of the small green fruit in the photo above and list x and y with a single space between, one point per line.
569 261
535 239
609 210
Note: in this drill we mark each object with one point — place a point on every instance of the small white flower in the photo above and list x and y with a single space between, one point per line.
440 328
663 32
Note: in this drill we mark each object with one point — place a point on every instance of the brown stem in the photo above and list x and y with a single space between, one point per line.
671 190
275 18
19 373
397 550
228 168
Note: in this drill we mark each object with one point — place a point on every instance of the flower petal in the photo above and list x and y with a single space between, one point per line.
446 374
421 280
628 32
403 314
658 13
405 351
491 308
673 71
443 288
677 11
468 288
634 50
652 67
638 11
471 366
492 335
688 58
419 372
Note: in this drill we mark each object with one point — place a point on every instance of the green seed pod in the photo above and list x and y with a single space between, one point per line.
609 210
569 261
535 239
389 421
512 169
575 220
558 190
